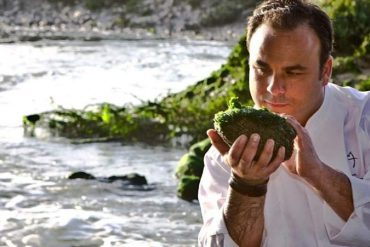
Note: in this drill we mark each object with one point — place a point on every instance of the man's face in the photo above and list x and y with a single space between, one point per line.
284 71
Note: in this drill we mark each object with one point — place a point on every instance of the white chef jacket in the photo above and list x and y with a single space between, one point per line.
295 215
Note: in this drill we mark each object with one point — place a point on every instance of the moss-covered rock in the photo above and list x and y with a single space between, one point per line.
191 163
199 149
101 122
187 188
242 120
189 170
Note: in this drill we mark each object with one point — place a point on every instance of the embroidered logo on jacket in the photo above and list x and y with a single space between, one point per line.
352 158
354 162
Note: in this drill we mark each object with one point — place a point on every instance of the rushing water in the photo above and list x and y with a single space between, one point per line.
38 205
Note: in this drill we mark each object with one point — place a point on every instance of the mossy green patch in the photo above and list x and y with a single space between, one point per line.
187 188
239 120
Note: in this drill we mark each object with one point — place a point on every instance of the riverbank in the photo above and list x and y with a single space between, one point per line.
22 20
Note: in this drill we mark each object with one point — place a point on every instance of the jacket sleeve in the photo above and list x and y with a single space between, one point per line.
212 195
356 231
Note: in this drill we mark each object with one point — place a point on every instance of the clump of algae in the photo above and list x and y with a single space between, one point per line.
238 120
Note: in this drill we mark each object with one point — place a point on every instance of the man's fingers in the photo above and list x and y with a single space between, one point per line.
250 151
236 150
296 125
302 133
267 152
217 141
277 161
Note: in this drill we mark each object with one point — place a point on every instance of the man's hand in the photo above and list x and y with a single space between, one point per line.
243 215
333 186
241 154
304 161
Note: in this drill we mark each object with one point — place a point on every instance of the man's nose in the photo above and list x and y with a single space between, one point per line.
276 85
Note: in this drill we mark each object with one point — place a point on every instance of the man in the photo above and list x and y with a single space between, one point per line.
321 195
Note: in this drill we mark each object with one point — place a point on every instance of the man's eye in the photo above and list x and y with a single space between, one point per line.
261 71
293 72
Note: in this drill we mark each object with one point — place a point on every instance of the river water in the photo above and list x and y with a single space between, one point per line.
38 205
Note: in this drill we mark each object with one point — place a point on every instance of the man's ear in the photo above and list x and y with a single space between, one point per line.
326 71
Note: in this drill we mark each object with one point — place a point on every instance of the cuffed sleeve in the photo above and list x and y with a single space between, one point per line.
215 234
356 231
212 195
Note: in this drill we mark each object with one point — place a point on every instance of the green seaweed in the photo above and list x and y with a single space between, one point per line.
238 120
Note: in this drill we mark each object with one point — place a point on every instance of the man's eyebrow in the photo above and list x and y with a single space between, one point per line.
261 63
296 67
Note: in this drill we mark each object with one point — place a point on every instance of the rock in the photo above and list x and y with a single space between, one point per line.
109 123
189 164
132 179
238 120
200 148
129 179
189 170
29 38
81 175
32 118
187 188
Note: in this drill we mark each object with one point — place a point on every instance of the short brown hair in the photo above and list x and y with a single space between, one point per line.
289 14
